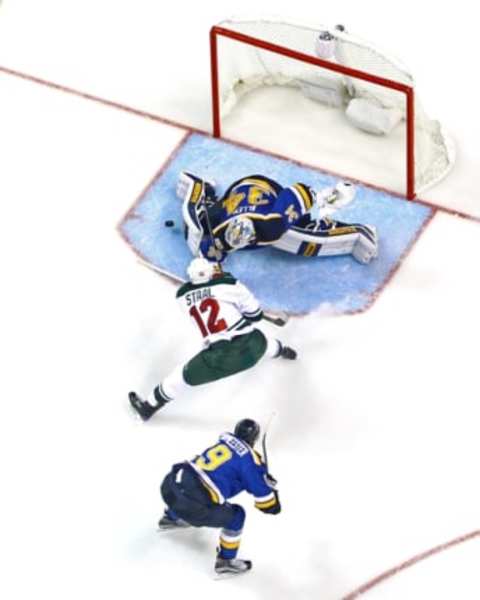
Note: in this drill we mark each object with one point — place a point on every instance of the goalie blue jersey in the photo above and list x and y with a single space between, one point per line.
230 467
272 208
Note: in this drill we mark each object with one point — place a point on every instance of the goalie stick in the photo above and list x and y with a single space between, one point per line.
278 319
158 270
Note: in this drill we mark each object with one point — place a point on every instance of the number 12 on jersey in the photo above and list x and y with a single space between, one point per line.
207 317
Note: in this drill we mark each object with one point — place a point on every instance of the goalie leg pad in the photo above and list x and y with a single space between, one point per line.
197 195
193 229
194 189
326 237
366 246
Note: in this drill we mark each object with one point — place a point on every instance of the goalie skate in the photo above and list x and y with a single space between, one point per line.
229 567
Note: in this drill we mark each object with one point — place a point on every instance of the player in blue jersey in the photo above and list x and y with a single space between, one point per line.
197 492
256 211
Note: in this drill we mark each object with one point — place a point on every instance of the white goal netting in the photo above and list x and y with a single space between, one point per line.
243 67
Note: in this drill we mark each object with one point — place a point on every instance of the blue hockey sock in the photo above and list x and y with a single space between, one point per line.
229 543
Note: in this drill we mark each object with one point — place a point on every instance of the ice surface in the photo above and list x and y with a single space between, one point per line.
376 442
281 281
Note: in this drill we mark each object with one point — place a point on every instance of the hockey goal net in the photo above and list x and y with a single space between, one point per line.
247 55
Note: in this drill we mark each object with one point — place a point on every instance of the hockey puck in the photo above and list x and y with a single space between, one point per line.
169 223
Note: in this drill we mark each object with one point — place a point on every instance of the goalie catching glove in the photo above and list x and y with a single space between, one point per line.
332 198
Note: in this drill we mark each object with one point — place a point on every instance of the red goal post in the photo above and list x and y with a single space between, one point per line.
262 43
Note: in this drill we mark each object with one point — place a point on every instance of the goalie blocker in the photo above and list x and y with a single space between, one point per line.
306 237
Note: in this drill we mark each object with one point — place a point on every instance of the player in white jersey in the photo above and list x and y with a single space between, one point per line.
224 311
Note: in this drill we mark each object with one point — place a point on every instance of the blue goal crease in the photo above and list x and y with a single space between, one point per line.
281 281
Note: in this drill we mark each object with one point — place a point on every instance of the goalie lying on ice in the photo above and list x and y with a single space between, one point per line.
256 211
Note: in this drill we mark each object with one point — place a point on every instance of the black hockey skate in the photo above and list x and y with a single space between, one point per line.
145 409
167 524
287 353
225 567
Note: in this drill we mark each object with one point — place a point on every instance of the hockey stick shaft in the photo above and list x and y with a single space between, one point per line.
157 270
209 225
279 321
264 439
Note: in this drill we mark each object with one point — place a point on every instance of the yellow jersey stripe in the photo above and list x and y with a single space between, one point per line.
267 504
260 183
208 484
256 456
212 492
305 194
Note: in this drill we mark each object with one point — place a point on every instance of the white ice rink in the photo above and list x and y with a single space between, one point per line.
379 418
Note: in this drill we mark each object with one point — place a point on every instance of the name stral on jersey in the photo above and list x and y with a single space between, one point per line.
197 296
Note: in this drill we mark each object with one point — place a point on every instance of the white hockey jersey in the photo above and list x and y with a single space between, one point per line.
221 308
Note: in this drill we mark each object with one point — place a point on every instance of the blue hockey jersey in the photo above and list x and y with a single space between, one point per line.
230 467
272 208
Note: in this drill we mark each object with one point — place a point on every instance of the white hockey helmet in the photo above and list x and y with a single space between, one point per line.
200 270
239 232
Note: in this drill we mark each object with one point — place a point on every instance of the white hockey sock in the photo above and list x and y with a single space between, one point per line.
174 384
158 396
273 347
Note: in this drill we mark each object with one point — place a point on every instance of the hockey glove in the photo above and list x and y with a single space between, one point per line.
270 481
330 199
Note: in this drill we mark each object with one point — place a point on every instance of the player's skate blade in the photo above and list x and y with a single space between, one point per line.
288 353
230 567
142 408
167 524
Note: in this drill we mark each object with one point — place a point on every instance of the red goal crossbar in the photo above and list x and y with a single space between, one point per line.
313 60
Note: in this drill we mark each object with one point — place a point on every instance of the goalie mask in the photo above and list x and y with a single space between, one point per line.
248 431
200 270
240 232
